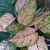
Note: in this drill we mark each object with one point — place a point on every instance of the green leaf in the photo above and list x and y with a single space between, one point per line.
7 45
7 7
4 35
11 1
14 28
12 46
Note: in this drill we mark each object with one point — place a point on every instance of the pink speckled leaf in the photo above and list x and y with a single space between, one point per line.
1 29
19 4
26 37
6 19
27 12
39 45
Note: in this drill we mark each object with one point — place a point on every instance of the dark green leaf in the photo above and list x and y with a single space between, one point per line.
7 7
12 46
4 35
12 1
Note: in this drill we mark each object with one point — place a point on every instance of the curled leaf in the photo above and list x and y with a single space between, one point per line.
27 12
35 21
39 45
26 37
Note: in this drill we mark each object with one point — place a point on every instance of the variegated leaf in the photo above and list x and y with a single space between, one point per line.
19 4
6 19
35 21
14 28
1 29
44 26
39 45
26 37
27 12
